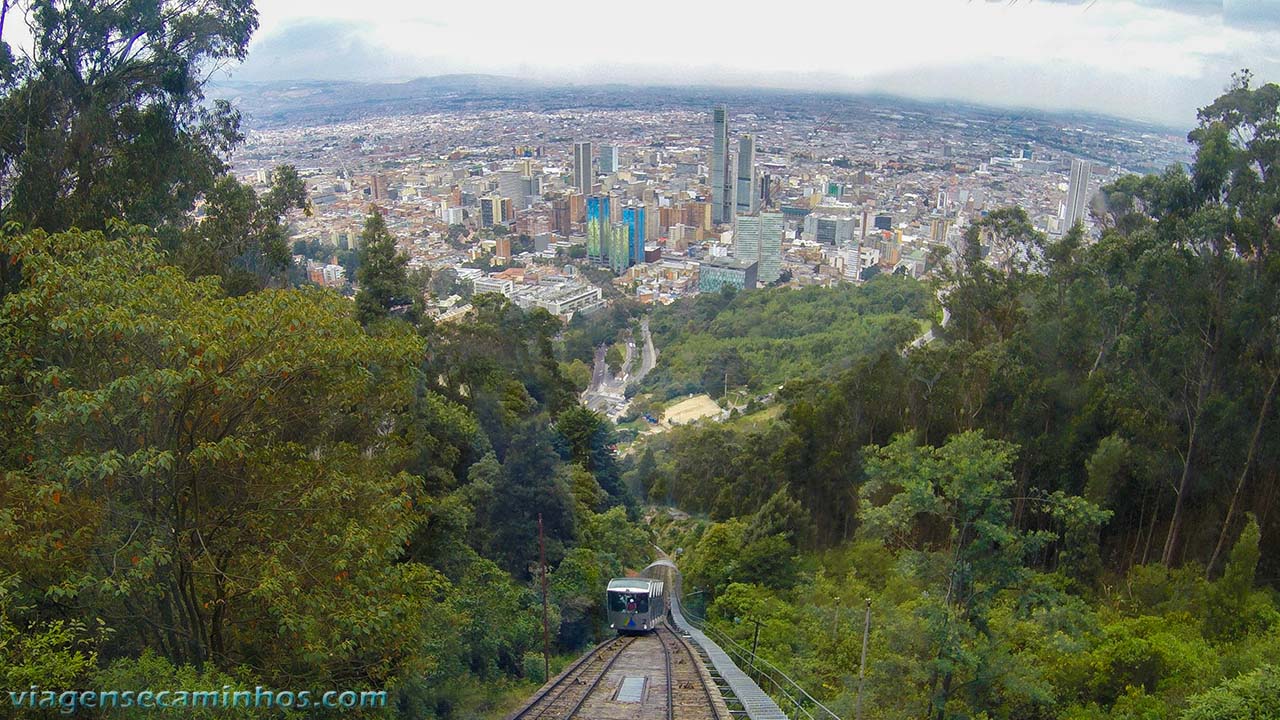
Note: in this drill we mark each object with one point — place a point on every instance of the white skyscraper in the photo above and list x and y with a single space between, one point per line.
582 175
747 200
852 256
721 172
1077 195
512 185
746 237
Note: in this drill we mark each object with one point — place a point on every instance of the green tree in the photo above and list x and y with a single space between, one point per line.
382 274
1227 613
1251 696
613 358
105 117
950 508
214 477
242 237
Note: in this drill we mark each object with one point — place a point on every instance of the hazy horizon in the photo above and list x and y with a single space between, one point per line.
1137 59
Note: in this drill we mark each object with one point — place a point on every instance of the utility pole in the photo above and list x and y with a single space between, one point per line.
546 634
862 671
755 641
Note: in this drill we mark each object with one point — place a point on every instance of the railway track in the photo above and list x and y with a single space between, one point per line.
663 673
561 699
688 693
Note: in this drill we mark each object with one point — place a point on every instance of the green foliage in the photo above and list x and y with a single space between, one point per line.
764 339
240 446
241 237
1228 608
613 358
382 275
55 653
949 507
105 118
149 670
1252 696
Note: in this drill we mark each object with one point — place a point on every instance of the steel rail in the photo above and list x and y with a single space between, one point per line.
595 683
559 684
696 665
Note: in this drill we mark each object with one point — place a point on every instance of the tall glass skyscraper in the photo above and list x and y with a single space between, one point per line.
582 175
633 218
608 159
772 225
721 173
599 227
747 198
758 239
619 247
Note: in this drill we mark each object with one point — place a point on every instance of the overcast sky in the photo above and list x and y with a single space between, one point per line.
1143 59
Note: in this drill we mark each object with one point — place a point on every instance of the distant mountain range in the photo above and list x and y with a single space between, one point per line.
306 102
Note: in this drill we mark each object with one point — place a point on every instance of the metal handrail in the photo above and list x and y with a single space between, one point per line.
742 654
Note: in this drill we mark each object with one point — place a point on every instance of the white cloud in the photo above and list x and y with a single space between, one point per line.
1137 54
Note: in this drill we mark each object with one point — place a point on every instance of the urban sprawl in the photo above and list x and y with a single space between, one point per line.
564 209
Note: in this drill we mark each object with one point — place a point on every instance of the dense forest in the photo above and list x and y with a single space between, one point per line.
760 340
1067 505
212 477
1064 507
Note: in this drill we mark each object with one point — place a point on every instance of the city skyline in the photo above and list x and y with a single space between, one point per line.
1128 58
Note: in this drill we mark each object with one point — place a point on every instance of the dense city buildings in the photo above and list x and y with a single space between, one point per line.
819 191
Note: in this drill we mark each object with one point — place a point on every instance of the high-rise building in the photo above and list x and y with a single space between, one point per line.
378 187
697 214
746 238
851 255
938 228
652 221
829 229
582 174
503 249
619 247
721 173
512 185
599 228
608 159
772 226
494 210
633 218
748 200
561 219
1077 195
758 239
